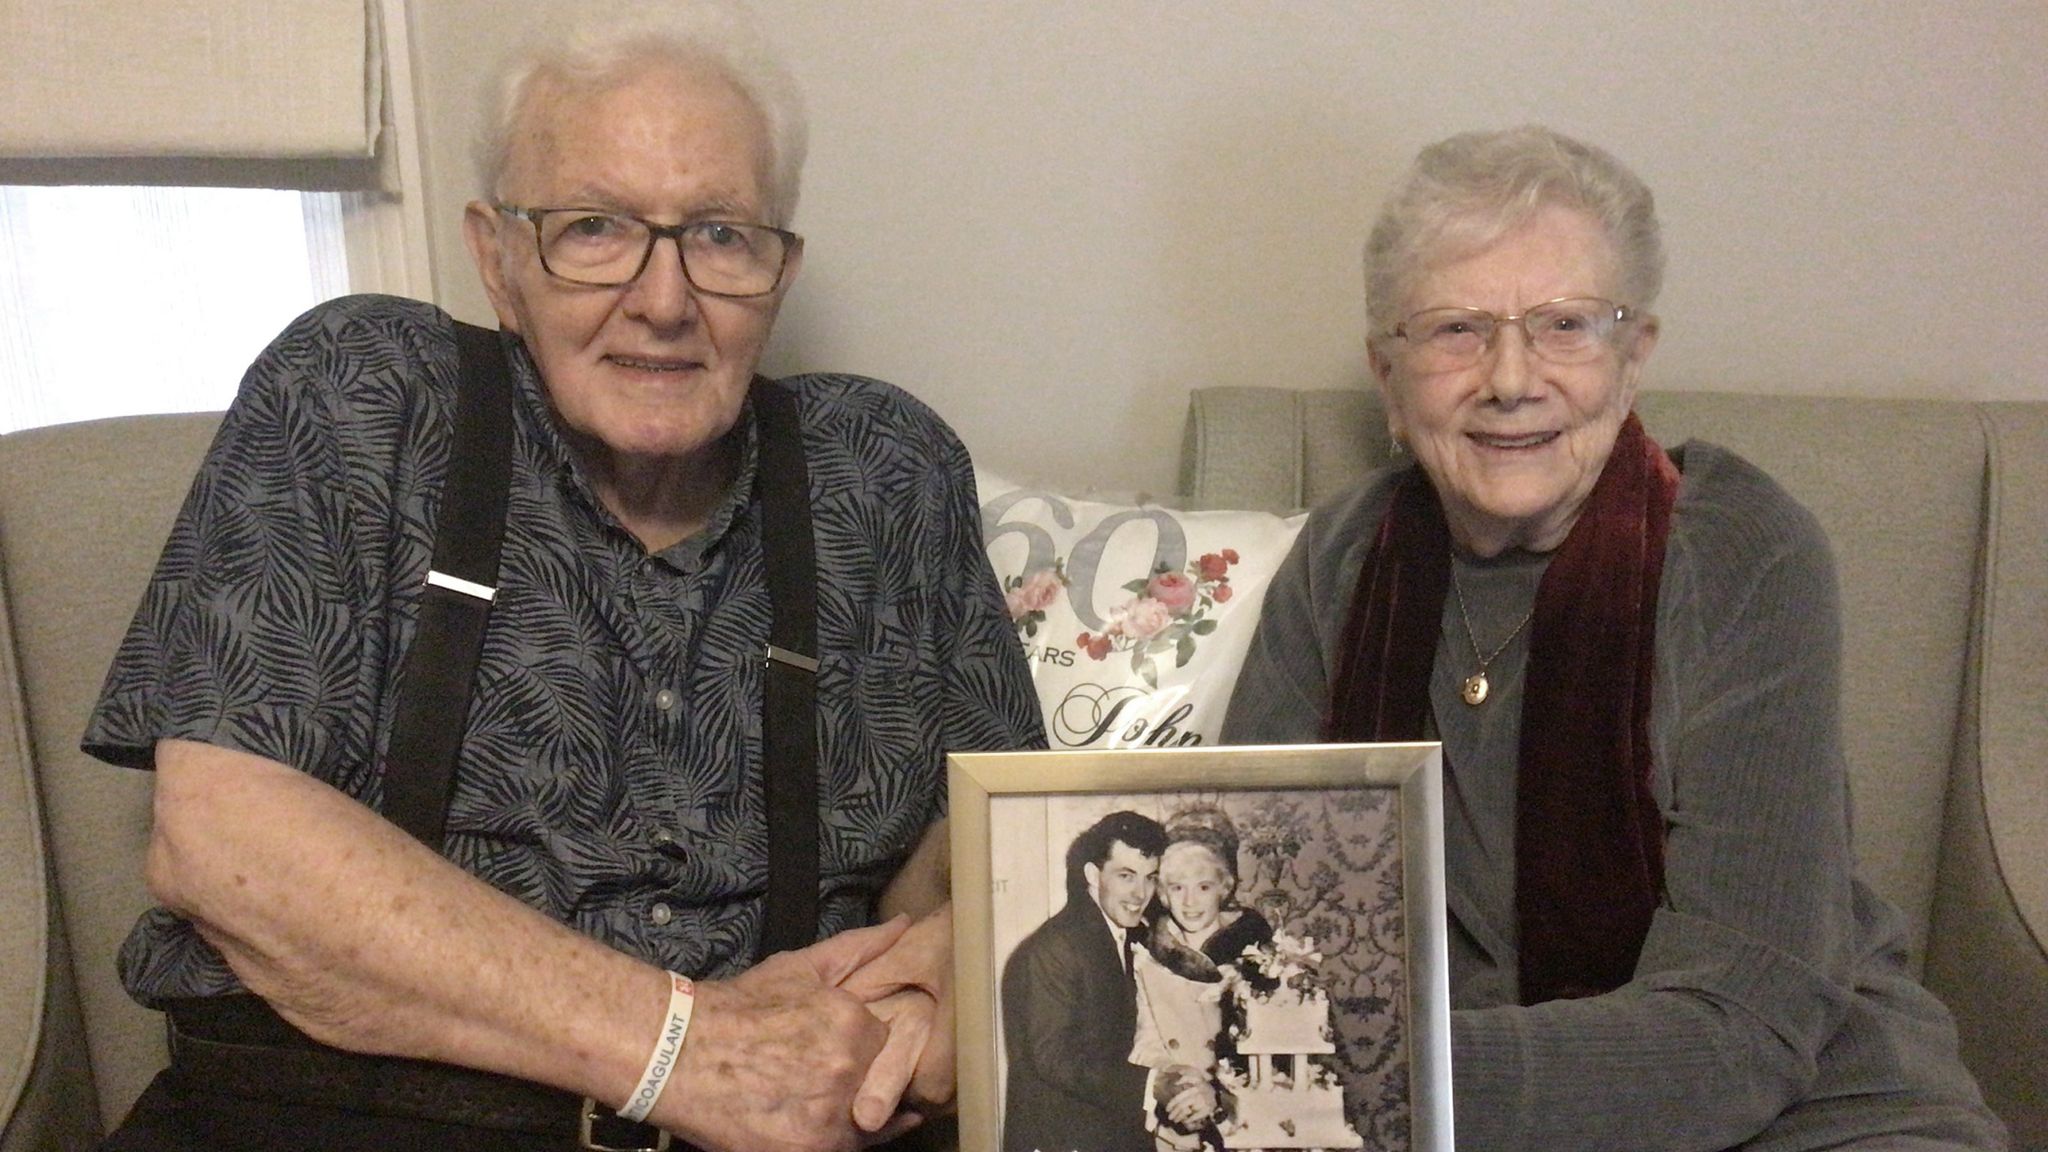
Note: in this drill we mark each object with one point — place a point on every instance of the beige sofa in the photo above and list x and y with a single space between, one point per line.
1939 513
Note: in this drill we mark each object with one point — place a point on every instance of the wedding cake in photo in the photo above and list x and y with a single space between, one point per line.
1285 1096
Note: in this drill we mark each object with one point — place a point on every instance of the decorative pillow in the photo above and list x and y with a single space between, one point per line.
1135 618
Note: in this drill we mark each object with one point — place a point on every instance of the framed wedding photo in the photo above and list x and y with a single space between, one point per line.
1198 947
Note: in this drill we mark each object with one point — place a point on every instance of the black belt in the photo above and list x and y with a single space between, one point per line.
240 1046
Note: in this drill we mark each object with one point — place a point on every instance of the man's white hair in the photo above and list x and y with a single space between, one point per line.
590 45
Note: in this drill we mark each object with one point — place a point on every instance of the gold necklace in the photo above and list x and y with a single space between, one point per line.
1475 687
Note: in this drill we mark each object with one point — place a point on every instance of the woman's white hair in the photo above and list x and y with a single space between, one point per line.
593 44
1464 193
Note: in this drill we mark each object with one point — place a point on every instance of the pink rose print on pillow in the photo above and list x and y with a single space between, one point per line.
1141 619
1173 591
1167 612
1033 593
1029 595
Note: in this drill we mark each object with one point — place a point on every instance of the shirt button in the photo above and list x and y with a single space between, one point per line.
660 914
665 699
664 838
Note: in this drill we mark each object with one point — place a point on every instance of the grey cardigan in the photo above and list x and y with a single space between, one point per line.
1771 1006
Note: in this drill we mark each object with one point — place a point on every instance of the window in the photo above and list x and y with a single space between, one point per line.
118 300
122 293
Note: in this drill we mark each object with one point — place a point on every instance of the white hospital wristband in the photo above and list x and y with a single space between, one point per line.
668 1049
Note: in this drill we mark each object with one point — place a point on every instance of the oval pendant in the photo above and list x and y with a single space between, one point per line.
1475 688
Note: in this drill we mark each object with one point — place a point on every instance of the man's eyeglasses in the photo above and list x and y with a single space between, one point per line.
1573 330
608 249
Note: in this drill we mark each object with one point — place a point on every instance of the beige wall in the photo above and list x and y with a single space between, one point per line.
1052 219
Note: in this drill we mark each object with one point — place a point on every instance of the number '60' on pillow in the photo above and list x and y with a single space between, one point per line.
1135 618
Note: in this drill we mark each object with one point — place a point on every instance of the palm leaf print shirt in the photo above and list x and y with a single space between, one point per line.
611 767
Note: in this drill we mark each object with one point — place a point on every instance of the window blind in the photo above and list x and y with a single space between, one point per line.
278 79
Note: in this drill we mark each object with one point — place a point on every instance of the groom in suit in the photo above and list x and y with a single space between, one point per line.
1069 1006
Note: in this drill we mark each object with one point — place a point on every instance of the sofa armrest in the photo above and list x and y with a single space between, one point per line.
24 891
84 509
1987 953
46 1092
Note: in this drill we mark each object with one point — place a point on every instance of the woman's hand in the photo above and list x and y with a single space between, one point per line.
1186 1094
910 988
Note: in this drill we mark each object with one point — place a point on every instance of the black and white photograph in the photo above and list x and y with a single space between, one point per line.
1196 955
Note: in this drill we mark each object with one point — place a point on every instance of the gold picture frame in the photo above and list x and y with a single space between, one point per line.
1338 840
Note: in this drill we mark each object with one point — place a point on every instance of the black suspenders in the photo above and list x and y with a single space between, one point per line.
789 730
439 676
438 679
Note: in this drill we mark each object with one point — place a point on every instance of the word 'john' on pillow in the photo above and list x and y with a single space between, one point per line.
1135 618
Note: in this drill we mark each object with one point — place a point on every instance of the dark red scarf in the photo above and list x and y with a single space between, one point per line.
1589 839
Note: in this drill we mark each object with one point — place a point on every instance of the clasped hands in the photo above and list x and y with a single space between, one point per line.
846 1043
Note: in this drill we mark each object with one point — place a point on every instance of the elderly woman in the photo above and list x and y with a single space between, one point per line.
1631 656
1196 928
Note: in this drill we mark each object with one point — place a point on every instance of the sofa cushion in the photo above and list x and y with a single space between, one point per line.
1898 486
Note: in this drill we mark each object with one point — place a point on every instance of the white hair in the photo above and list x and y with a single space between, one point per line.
1466 192
594 44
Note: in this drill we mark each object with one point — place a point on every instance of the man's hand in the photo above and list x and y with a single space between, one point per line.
776 1055
910 987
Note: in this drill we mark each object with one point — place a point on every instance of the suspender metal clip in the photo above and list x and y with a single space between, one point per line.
795 660
483 592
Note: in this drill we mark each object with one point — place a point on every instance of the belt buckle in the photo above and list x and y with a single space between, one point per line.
592 1112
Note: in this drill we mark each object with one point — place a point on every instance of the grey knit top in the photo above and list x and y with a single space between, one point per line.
1771 1006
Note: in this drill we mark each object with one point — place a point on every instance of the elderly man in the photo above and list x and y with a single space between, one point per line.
587 939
